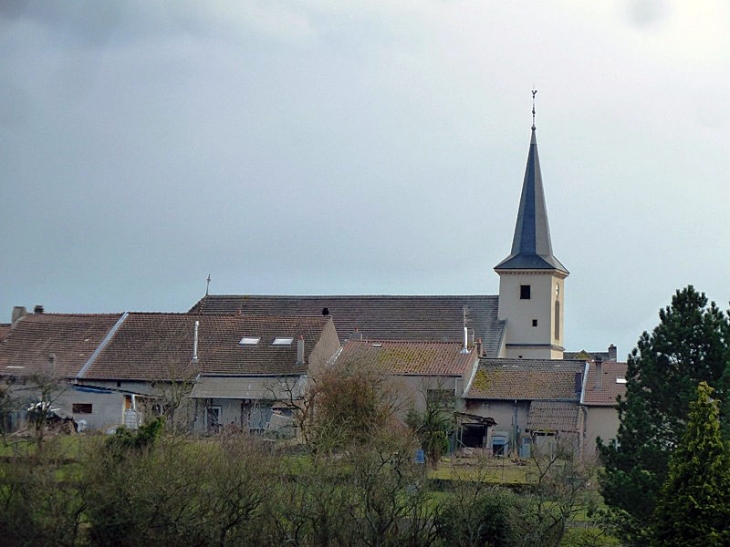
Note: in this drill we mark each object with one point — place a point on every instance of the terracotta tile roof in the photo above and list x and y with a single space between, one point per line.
609 389
410 357
552 416
4 331
531 379
72 339
150 346
436 318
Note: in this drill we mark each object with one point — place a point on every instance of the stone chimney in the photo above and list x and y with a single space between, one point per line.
300 350
598 385
612 353
18 313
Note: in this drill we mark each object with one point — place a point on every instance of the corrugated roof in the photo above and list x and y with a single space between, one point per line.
422 318
248 387
410 357
604 394
552 416
156 346
531 379
70 338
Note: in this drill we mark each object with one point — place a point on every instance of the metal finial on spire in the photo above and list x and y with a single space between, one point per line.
207 285
534 92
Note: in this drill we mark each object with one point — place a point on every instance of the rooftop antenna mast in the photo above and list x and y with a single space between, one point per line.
534 92
465 312
207 285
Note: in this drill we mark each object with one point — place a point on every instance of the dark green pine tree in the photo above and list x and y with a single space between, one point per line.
694 504
690 345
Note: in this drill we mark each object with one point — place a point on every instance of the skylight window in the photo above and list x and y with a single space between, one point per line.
620 380
249 341
282 341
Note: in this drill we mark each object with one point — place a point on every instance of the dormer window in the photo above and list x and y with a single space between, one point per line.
282 341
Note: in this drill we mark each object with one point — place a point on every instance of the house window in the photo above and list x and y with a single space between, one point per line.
557 320
81 408
534 322
524 292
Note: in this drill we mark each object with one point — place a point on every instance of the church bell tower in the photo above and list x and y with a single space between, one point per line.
531 279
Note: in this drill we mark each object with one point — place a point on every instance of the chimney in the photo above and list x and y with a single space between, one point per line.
578 381
357 335
612 353
599 373
325 311
465 349
18 313
300 350
479 347
195 343
38 309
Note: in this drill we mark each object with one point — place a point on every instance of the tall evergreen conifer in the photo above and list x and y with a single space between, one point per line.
694 504
690 345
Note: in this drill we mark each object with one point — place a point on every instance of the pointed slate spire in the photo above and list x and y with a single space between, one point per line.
531 247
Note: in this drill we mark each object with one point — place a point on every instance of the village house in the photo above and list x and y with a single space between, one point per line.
418 370
531 401
109 370
603 383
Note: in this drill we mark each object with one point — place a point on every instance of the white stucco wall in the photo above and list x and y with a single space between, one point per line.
520 313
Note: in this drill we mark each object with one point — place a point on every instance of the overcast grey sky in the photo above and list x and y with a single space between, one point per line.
359 147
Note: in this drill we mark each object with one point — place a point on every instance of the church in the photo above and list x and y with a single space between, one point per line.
237 358
525 320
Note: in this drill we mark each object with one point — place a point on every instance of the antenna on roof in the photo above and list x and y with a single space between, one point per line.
465 311
534 92
207 285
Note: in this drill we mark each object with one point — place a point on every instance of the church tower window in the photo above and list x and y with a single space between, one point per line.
524 292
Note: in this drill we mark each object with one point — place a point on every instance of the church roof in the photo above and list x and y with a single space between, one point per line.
418 318
531 247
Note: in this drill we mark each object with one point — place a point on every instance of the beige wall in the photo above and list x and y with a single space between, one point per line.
520 314
598 421
511 416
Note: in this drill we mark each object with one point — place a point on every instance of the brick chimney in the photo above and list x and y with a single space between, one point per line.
612 353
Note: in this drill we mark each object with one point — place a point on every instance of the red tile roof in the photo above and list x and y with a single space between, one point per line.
70 338
609 389
530 379
410 357
424 318
154 346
